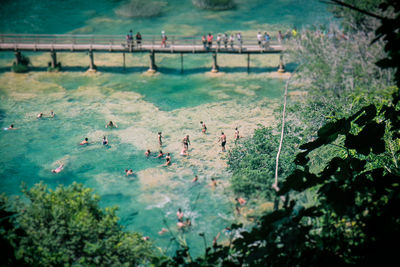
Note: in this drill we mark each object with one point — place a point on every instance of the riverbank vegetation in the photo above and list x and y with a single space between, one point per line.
66 226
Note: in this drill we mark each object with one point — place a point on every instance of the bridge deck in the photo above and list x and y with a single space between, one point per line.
113 43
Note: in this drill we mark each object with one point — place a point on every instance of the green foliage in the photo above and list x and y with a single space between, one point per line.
339 75
253 162
214 4
22 65
66 227
140 8
353 20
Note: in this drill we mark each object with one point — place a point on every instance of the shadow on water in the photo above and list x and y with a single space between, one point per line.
166 70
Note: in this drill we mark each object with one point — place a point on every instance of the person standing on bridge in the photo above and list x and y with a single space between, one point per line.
239 38
219 40
209 40
260 39
225 38
231 40
280 37
204 41
130 39
138 39
163 39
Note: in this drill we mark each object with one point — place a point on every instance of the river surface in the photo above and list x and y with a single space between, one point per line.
141 105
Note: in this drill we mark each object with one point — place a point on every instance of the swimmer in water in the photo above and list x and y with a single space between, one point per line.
10 128
179 214
85 142
160 138
52 114
222 139
40 115
160 155
128 172
163 230
105 141
147 153
60 168
111 125
168 160
195 179
213 182
184 152
180 224
203 127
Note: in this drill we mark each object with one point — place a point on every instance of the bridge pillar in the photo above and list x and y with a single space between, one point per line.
92 66
53 59
248 63
152 67
281 68
215 67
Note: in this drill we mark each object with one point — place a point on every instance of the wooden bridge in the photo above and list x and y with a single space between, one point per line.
151 44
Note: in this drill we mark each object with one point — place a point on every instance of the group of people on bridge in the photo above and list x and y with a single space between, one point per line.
221 40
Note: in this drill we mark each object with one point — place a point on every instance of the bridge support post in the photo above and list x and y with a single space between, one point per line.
123 57
215 67
152 67
53 59
281 68
92 66
181 62
248 63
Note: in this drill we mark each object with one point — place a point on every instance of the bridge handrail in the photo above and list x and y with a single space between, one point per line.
92 39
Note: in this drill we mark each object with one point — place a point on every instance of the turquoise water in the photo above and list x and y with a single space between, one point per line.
141 105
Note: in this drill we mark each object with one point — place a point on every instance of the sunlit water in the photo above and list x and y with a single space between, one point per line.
141 105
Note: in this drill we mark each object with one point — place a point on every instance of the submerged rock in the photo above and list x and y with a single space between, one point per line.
214 4
140 9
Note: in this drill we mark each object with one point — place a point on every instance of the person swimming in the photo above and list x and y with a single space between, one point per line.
168 160
160 154
179 214
40 115
111 125
163 230
128 172
85 142
147 153
213 182
105 141
11 127
184 152
52 114
195 179
58 169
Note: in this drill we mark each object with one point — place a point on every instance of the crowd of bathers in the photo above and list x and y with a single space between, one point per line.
182 223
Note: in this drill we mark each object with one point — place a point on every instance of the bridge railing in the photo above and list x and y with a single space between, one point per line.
152 40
